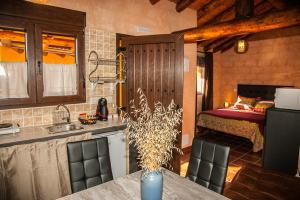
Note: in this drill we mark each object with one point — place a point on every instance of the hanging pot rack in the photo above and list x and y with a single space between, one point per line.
94 59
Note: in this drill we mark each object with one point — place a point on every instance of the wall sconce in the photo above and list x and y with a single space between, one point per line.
241 46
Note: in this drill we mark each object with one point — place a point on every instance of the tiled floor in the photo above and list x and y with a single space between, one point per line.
240 149
240 153
251 181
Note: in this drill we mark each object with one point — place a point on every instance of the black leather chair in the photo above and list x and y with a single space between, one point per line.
89 163
208 164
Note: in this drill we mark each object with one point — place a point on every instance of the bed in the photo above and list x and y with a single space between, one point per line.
248 124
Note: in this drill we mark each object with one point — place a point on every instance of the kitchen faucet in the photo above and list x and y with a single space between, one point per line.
68 111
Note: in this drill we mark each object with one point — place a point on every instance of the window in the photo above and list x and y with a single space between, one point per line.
200 80
41 63
13 64
16 63
60 62
200 73
59 65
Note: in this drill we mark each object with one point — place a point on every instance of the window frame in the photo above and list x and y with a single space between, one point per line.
67 31
33 18
9 22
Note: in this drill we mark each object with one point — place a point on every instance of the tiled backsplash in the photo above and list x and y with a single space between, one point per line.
104 43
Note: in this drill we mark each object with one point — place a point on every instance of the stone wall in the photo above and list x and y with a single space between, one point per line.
268 61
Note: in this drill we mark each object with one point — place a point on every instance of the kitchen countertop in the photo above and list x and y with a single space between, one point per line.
40 133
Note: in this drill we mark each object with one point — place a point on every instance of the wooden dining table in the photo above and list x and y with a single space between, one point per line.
128 187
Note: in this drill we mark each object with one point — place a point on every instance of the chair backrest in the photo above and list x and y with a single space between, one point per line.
208 164
89 163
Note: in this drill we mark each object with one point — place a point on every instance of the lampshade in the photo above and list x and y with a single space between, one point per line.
241 46
226 104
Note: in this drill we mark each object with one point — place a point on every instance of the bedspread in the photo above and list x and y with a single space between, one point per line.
244 124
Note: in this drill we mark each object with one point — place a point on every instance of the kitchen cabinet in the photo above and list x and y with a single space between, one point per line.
37 170
34 164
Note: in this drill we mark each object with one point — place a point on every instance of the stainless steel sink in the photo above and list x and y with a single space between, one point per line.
58 128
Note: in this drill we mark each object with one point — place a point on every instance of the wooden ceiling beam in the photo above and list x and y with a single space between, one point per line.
220 42
226 44
183 4
244 9
198 4
208 42
211 10
154 1
278 4
229 14
260 8
269 21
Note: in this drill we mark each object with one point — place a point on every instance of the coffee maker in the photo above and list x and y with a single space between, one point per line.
102 111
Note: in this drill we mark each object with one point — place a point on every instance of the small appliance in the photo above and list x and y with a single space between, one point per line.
102 111
287 98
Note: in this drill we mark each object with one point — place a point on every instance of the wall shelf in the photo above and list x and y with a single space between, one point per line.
94 59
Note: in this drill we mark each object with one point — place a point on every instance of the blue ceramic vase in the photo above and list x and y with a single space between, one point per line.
151 185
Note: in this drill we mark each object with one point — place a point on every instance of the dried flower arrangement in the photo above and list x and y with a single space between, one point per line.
153 132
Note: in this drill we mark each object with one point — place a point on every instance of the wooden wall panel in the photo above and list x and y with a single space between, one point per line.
151 74
144 75
137 70
171 72
157 73
165 75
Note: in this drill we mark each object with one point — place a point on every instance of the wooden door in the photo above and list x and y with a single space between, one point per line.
155 64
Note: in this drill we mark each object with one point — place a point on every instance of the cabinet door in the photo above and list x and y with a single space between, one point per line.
16 62
117 151
59 64
117 154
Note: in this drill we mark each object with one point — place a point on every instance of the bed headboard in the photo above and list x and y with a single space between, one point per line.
266 92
